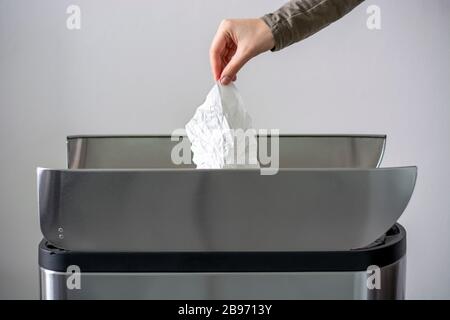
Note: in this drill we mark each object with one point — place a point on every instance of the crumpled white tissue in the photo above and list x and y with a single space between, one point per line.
211 131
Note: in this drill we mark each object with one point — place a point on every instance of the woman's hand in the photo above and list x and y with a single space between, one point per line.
235 43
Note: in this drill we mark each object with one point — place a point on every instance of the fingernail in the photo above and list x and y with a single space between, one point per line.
225 80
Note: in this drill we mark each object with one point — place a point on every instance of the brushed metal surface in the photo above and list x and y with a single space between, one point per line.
223 210
296 151
224 286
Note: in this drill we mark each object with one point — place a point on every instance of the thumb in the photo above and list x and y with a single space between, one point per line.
232 68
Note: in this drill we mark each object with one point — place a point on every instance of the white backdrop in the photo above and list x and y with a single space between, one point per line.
142 67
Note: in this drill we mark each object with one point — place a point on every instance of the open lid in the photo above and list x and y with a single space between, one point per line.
155 151
220 210
124 193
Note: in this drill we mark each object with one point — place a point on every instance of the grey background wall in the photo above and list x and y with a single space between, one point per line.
142 67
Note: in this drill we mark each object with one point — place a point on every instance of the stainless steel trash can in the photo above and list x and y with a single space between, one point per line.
125 222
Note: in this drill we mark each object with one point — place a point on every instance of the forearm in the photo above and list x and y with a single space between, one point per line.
299 19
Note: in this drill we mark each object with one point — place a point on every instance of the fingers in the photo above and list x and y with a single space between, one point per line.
232 68
235 43
216 54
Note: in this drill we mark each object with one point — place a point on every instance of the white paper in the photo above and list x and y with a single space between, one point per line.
216 131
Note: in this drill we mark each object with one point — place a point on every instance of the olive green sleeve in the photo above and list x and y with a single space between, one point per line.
299 19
